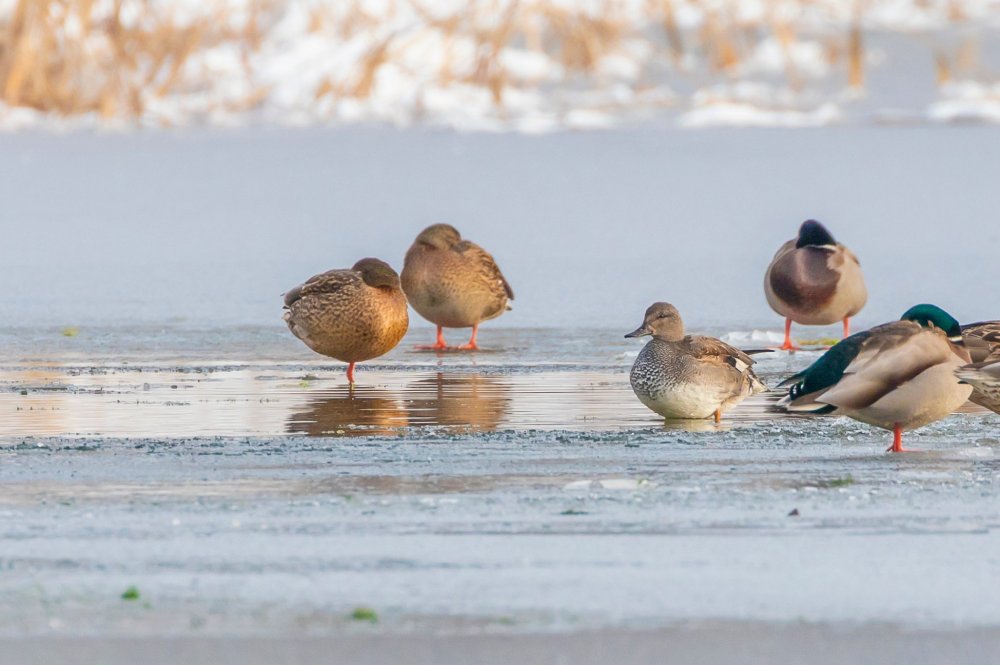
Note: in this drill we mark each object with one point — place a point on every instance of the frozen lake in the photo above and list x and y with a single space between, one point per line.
520 490
179 440
209 229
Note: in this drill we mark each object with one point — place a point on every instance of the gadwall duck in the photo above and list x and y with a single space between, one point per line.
453 283
686 376
898 376
351 315
814 280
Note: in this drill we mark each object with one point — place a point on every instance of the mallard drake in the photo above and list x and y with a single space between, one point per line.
814 280
983 374
453 283
898 376
686 376
351 315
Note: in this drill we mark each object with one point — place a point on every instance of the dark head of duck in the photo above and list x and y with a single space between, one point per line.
439 236
933 316
814 234
377 273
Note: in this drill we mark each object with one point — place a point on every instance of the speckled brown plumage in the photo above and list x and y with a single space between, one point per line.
983 341
451 282
351 315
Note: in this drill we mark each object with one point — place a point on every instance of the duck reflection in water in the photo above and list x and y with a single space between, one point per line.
466 401
358 411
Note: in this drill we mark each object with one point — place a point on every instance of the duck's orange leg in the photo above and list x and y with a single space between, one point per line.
718 415
847 327
788 346
350 373
897 441
439 345
472 346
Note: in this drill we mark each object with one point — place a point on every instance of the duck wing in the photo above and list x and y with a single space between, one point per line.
729 366
867 366
485 265
704 348
331 281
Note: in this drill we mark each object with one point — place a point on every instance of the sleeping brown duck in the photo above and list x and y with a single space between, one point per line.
453 283
351 315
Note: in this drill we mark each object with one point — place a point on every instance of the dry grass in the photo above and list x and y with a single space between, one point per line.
81 56
856 54
113 57
578 38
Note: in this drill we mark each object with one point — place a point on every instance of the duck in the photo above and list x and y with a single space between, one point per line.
983 373
352 315
453 283
814 280
898 376
688 376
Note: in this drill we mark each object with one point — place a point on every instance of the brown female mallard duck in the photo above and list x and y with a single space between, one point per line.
983 373
351 315
453 283
814 280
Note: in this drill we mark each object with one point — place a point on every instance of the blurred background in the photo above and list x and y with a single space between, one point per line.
186 162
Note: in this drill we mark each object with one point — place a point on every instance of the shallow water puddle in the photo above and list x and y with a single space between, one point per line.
169 402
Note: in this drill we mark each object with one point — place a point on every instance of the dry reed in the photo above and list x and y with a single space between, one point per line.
79 56
84 56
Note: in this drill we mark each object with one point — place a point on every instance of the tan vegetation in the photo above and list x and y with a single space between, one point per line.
116 57
82 56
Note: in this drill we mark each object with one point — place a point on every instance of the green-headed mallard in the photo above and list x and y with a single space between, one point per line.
814 280
685 376
983 374
453 283
351 315
898 376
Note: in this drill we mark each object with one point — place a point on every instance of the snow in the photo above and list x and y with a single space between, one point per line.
534 66
967 101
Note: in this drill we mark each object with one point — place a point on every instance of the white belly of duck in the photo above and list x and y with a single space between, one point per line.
681 400
930 396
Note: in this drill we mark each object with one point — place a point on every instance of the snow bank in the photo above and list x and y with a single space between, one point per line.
529 66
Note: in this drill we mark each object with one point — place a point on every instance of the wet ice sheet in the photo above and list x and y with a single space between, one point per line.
202 229
127 382
523 489
509 531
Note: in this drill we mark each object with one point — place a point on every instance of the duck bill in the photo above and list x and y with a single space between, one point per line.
639 332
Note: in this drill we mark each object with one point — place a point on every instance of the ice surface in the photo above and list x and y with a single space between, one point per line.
202 230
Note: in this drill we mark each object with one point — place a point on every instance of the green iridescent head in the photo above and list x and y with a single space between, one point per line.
933 316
